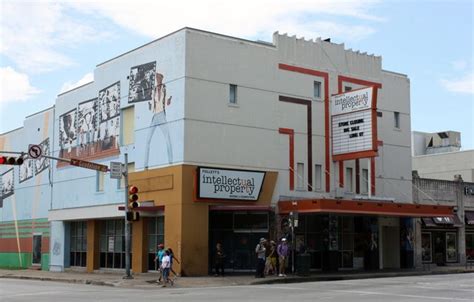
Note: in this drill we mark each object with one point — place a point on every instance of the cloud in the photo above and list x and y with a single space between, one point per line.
87 78
245 19
35 34
464 84
15 86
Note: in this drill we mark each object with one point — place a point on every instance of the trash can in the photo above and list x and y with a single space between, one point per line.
303 262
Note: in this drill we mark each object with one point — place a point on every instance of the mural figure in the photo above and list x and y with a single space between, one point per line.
26 170
67 130
142 82
42 163
86 126
158 106
7 184
109 103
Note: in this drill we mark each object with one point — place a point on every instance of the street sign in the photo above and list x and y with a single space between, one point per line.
116 170
88 165
35 151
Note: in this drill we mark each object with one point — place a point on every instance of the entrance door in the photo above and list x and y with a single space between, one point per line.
390 247
439 247
36 249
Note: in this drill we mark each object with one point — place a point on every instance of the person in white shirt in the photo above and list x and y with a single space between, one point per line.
165 267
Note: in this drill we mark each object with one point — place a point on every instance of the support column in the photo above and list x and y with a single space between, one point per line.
93 249
418 259
139 246
57 243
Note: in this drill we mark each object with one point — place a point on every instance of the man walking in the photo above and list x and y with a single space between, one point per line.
283 253
260 251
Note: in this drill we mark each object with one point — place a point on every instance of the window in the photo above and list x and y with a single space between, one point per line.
426 254
317 89
451 248
128 125
121 181
300 176
365 181
396 120
318 177
349 180
156 235
100 181
470 247
347 88
78 243
233 94
112 243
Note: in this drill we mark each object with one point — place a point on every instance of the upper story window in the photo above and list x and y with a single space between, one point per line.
232 94
100 178
317 89
396 120
128 125
318 179
300 176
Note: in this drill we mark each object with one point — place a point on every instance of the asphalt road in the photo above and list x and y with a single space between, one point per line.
432 288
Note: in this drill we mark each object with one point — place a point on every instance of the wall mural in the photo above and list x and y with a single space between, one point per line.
146 84
67 132
7 184
86 126
142 82
93 127
42 163
109 112
26 169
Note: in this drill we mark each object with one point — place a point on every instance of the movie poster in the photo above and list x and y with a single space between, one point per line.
26 169
142 82
7 184
67 131
42 163
86 126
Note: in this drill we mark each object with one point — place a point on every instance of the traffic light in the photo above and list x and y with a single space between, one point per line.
7 160
133 204
133 197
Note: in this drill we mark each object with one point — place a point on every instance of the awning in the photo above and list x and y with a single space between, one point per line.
469 217
428 222
364 207
448 221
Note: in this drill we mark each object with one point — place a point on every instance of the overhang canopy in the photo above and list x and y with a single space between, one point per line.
382 208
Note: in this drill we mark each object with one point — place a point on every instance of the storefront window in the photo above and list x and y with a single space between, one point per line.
426 254
156 235
112 244
451 248
470 247
78 243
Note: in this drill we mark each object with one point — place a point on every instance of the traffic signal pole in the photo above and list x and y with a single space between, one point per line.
127 223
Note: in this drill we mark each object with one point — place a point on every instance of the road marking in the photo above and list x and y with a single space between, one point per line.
398 295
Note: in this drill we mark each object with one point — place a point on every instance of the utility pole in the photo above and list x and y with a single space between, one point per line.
127 223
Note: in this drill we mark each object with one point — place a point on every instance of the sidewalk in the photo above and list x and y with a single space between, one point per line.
148 280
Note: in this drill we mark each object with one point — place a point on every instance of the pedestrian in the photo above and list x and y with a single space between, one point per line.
270 263
165 267
172 259
260 250
159 256
219 258
283 252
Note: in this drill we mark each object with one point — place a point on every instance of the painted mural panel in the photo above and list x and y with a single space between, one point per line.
142 82
87 126
42 163
67 132
26 169
7 184
109 112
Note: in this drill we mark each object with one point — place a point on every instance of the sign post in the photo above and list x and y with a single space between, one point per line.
127 223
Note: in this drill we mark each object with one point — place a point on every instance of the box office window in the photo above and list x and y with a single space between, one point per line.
78 243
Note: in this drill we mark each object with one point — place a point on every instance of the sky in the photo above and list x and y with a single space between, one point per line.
48 47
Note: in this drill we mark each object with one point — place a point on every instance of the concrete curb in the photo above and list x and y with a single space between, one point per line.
79 281
297 279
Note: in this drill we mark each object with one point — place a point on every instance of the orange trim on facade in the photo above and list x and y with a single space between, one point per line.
341 173
325 76
355 155
372 175
364 208
291 134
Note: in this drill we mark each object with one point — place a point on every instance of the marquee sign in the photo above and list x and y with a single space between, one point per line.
229 184
354 124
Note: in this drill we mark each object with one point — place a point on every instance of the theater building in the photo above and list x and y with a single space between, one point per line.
228 140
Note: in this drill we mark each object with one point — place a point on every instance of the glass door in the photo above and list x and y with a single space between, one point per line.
36 249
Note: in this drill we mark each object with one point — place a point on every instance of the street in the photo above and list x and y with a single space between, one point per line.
455 287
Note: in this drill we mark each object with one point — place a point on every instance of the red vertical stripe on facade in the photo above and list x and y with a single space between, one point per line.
341 174
291 134
325 76
357 176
